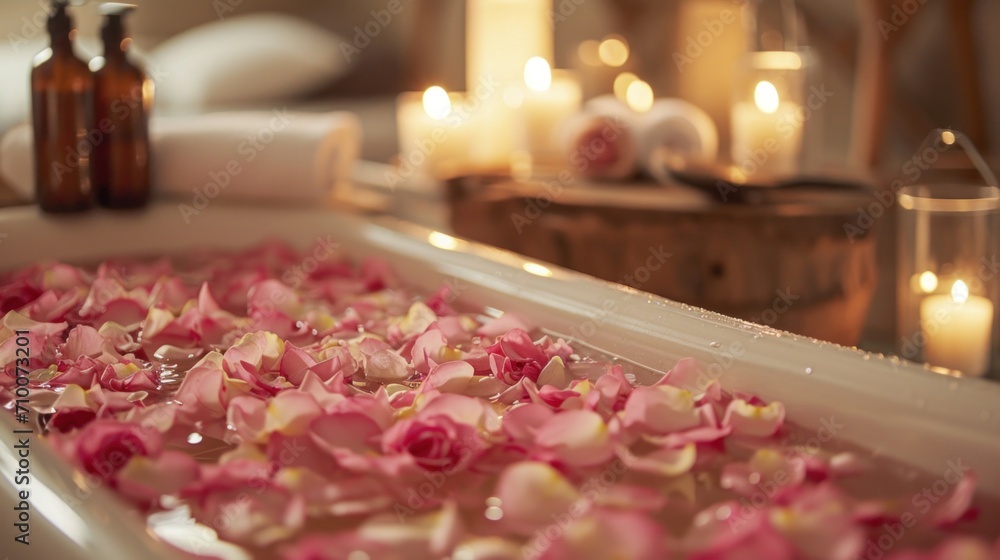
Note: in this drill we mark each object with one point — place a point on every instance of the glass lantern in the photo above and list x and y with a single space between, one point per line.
948 282
769 102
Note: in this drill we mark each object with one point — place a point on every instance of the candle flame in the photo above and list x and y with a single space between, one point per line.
639 96
765 95
538 74
960 292
437 103
928 282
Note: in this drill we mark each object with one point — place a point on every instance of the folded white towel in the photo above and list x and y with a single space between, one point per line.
258 156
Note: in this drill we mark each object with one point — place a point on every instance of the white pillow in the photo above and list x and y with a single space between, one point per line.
245 59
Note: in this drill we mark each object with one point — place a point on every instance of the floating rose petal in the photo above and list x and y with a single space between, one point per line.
754 420
532 495
579 438
661 410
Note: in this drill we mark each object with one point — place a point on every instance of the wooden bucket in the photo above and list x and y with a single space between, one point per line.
789 265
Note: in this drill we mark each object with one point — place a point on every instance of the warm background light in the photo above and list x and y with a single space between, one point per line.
437 103
613 51
639 96
622 82
928 282
589 52
538 74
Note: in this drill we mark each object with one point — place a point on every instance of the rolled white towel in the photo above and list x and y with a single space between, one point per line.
253 156
600 142
17 160
680 128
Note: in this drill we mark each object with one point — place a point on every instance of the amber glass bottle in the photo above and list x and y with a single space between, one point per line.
124 96
62 97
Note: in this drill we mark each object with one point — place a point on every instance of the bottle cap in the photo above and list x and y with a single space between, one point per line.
59 18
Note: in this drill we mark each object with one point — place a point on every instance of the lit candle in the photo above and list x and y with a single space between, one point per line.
710 39
501 36
550 99
767 134
433 130
957 329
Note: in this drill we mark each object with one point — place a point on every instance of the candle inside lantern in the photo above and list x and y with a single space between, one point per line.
550 99
433 131
767 132
957 329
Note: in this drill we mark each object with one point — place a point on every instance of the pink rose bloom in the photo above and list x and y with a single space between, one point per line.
18 293
69 419
103 447
610 393
436 443
515 356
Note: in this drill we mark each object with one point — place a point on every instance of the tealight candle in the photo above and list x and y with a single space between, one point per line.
957 330
767 133
550 99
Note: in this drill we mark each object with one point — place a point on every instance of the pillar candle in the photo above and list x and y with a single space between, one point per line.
957 330
766 133
551 98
